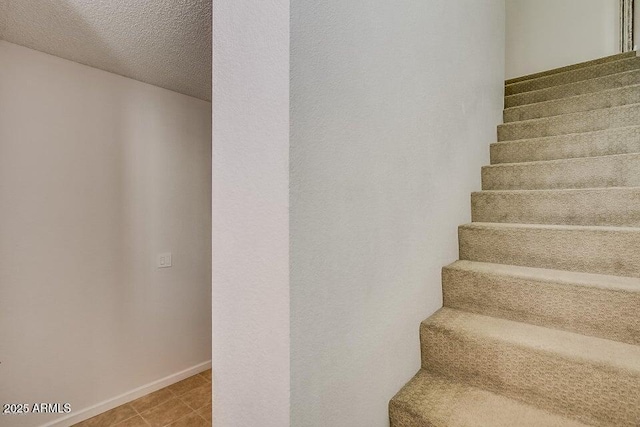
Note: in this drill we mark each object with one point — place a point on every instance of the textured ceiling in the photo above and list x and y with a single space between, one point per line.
166 43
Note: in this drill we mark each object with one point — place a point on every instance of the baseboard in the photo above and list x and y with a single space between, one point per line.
106 405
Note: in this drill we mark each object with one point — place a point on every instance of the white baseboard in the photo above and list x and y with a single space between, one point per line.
106 405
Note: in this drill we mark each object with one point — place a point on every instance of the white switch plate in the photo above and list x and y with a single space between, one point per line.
164 260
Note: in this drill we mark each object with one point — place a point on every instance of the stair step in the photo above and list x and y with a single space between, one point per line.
590 101
599 250
572 76
597 84
611 58
593 380
591 304
435 400
621 140
584 121
615 206
619 170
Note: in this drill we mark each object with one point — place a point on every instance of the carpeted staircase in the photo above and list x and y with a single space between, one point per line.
541 318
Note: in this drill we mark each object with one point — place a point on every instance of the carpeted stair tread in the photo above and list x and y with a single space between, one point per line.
599 250
591 304
587 102
618 170
611 58
613 206
571 76
584 121
621 140
430 400
593 380
612 81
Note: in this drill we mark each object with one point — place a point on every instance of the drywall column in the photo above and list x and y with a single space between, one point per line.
393 107
250 213
544 34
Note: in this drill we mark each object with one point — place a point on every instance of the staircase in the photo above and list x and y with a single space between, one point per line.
541 318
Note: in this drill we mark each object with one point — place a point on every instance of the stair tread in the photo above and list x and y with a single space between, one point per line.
597 206
572 75
558 190
601 249
541 119
571 123
489 225
574 98
567 135
584 64
567 86
567 160
597 305
436 400
601 281
593 350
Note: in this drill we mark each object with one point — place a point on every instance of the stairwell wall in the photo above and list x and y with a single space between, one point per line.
392 108
545 34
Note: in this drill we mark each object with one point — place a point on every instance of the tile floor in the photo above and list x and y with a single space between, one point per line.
184 404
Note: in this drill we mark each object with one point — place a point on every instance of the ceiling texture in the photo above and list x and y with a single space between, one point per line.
166 43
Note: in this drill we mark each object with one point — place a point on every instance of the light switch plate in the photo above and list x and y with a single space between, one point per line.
164 260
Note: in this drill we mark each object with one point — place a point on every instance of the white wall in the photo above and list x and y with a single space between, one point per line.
393 107
251 213
545 34
98 174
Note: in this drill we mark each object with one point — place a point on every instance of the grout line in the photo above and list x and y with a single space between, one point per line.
172 396
137 412
178 419
186 404
126 419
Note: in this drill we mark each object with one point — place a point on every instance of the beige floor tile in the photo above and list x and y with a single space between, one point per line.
136 421
166 413
188 384
109 418
198 397
206 374
191 420
206 412
151 400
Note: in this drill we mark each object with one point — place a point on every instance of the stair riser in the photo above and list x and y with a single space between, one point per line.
604 313
603 143
401 416
571 387
572 76
592 101
606 207
603 251
573 89
611 58
587 172
589 121
432 400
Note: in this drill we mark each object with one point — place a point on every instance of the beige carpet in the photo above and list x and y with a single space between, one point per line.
541 317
